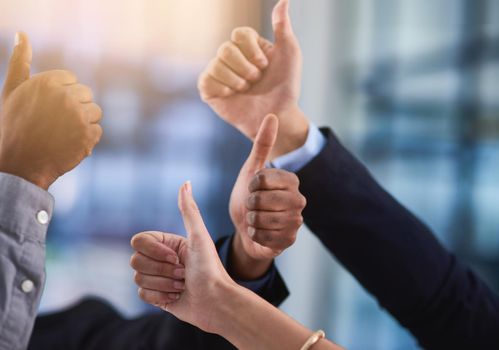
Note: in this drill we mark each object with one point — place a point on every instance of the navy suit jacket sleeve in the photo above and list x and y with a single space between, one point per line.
395 256
93 324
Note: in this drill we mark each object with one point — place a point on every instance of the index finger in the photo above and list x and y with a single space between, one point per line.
59 77
273 179
247 39
151 244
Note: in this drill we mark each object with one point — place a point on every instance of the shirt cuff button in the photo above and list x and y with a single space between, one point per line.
27 286
42 217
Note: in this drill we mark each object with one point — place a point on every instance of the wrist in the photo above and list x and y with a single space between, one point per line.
226 321
293 131
250 322
242 265
35 178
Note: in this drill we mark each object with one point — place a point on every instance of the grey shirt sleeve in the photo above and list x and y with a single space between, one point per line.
25 212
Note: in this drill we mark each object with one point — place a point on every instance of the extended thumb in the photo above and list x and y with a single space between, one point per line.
193 222
264 143
19 65
281 22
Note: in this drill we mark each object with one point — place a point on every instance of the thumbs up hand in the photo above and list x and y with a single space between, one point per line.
48 122
265 207
252 77
205 276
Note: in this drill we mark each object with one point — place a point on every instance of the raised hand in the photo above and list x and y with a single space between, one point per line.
265 207
252 77
212 301
205 276
51 113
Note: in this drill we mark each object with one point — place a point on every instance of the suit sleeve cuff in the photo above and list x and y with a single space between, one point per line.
270 286
253 285
296 160
27 210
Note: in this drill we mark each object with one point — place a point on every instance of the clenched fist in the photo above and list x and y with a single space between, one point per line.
195 300
48 122
265 207
252 77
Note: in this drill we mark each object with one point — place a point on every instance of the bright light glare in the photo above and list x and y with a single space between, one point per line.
129 29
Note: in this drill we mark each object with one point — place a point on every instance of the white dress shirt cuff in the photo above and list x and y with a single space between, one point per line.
296 160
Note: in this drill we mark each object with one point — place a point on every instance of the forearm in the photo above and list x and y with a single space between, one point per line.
394 255
75 329
22 254
243 266
293 130
249 322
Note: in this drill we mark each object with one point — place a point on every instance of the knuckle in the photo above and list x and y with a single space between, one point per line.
251 201
217 69
88 91
252 74
97 110
225 52
256 56
138 278
294 179
262 179
192 208
133 261
259 180
241 34
134 242
87 137
300 220
302 201
251 218
97 134
141 293
241 84
201 84
212 69
290 240
204 97
226 91
297 221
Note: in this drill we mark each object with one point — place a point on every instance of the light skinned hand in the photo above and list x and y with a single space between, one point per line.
205 276
212 301
251 77
265 207
158 272
48 122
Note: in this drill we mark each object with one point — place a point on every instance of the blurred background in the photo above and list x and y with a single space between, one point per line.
409 86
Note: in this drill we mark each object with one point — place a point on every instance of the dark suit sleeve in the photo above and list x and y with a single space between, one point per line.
270 287
395 256
94 325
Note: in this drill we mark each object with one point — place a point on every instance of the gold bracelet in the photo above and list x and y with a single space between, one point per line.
314 338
